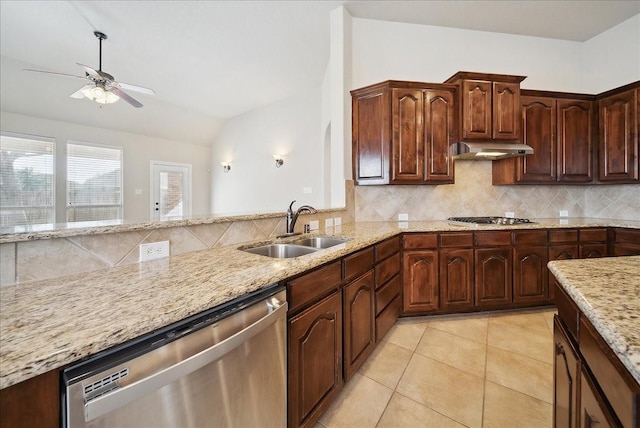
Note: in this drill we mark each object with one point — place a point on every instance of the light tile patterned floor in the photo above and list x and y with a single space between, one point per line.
475 370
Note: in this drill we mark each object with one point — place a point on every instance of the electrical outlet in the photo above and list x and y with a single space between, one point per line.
154 250
564 213
403 217
314 225
509 214
337 221
328 222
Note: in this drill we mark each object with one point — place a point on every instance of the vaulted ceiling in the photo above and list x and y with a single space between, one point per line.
211 60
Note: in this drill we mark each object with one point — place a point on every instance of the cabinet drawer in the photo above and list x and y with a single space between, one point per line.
387 269
593 235
530 237
358 263
456 240
387 318
628 235
420 240
309 287
387 248
387 293
563 235
492 238
621 390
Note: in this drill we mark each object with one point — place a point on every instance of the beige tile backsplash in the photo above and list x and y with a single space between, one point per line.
473 195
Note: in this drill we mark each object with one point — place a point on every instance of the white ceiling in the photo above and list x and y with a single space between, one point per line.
211 60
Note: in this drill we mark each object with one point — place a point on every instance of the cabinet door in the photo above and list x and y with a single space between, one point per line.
407 142
359 323
530 274
370 133
439 135
618 149
493 276
593 411
539 132
34 402
456 278
566 369
575 141
506 111
315 360
476 109
420 281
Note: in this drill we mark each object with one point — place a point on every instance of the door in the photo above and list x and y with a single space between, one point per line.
538 131
359 323
476 109
170 191
439 135
618 141
506 111
493 276
456 278
420 277
407 142
575 147
566 368
530 275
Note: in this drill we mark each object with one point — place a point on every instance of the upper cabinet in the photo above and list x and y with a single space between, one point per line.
618 113
402 132
560 128
489 106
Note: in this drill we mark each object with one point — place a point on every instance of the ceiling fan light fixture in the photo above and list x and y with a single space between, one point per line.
100 95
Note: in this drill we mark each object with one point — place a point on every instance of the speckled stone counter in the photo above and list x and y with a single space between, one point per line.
48 324
607 291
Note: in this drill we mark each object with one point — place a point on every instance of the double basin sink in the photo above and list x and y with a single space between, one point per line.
296 248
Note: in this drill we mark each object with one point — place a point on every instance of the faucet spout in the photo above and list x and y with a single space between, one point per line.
292 217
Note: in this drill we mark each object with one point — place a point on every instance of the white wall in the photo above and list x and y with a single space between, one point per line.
612 58
291 127
390 50
138 151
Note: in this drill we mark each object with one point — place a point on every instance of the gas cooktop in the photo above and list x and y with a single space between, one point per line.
476 221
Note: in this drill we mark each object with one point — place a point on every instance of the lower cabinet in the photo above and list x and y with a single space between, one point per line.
566 370
359 323
626 242
493 277
421 281
593 410
315 360
530 274
456 278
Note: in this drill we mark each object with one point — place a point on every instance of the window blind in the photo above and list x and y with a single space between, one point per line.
94 182
27 180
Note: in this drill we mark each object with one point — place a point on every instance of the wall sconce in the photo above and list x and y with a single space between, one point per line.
226 166
279 160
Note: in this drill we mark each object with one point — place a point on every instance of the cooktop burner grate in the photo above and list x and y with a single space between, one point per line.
489 220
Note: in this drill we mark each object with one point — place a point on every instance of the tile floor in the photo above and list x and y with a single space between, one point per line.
476 370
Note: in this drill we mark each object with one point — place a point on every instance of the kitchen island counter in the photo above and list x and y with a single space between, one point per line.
607 292
47 324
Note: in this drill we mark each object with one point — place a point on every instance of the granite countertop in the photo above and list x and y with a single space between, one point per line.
607 291
48 324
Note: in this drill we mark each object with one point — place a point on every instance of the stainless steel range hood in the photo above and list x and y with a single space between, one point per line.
489 150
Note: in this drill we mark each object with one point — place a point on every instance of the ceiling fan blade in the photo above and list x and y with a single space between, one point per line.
135 88
79 93
126 97
91 72
54 73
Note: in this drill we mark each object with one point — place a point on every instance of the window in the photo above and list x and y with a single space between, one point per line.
27 180
94 182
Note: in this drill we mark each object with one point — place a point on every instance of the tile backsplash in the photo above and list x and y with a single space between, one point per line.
473 195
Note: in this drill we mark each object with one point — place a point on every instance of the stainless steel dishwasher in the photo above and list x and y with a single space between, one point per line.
222 368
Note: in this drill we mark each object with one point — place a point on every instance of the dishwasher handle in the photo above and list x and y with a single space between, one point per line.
119 397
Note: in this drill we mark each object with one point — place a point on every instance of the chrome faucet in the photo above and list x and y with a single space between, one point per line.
293 217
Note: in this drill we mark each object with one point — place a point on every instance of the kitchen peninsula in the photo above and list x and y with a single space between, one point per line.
597 342
46 325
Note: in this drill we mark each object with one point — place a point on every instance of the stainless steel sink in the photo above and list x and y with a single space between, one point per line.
281 251
319 241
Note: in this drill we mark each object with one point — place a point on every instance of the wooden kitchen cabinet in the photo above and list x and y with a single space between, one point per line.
593 243
560 131
566 373
420 273
493 269
359 322
456 278
530 274
34 402
402 132
626 242
618 144
489 107
593 411
314 360
388 285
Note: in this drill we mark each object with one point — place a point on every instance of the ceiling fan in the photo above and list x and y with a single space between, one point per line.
103 89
